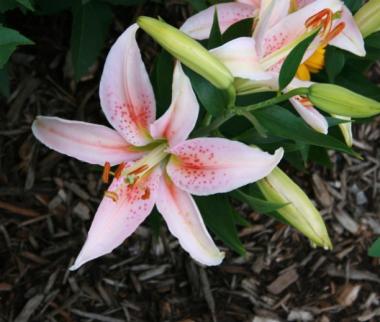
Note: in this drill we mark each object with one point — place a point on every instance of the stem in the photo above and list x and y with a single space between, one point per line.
204 131
275 100
255 123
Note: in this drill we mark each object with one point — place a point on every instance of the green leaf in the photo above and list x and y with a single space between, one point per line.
4 83
6 5
155 223
353 5
48 7
259 205
293 60
335 60
215 38
280 122
162 78
374 250
126 3
9 40
242 28
27 4
212 99
198 5
89 30
220 217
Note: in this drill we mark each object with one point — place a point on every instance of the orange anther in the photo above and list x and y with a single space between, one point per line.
113 195
146 194
140 169
335 32
106 172
320 18
119 170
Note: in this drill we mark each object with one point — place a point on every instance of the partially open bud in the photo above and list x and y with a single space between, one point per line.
300 213
188 51
368 18
338 100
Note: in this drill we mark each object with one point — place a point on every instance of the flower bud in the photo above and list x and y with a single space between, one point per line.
368 18
189 52
299 212
338 100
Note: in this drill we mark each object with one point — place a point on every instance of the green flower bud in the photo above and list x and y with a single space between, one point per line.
368 18
300 213
189 52
338 100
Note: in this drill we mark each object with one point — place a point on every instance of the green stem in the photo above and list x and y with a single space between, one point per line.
241 110
249 116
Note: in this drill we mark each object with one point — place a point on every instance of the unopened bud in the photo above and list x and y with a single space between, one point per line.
338 100
368 17
299 212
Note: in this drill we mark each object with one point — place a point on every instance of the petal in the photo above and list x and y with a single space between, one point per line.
179 120
116 220
310 115
303 3
293 26
185 223
271 12
199 25
87 142
239 55
213 165
125 91
351 38
346 129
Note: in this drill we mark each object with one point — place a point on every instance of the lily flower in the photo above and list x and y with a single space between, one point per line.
280 25
158 165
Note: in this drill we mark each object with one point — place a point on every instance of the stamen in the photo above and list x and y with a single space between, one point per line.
140 169
322 19
106 172
335 32
111 194
146 194
304 101
119 170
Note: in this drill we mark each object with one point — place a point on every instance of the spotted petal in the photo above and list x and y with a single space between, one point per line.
199 25
213 165
87 142
116 220
185 222
125 91
179 120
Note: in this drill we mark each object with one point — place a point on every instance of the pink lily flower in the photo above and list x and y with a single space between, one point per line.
256 61
159 165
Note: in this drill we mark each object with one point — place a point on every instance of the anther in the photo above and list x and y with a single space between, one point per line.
113 195
146 194
119 170
106 172
140 169
335 32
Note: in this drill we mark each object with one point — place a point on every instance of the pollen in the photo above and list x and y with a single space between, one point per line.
146 194
106 172
119 170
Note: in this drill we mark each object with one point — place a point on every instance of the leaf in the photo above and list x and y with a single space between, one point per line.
259 205
125 3
335 60
212 99
9 40
6 5
220 217
353 5
374 250
198 5
88 34
242 28
293 60
162 78
27 4
4 83
215 38
280 122
155 222
48 7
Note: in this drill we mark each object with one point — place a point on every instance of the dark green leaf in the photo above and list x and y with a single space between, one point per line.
259 205
48 7
4 83
353 5
9 40
242 28
155 222
89 31
374 250
198 5
162 78
212 99
220 217
125 2
335 60
293 60
215 38
280 122
26 3
320 156
6 5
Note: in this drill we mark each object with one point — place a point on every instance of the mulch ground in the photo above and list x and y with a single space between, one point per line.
47 201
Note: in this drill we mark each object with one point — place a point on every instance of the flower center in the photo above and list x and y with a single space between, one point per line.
131 175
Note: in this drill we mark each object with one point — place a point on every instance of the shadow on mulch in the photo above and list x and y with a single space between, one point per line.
47 201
